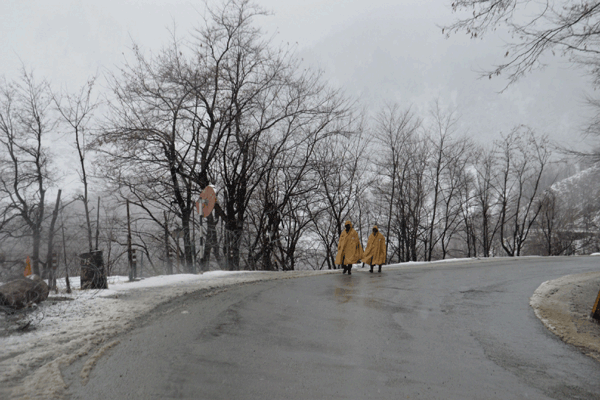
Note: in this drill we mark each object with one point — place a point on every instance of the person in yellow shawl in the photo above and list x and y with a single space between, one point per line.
375 251
349 249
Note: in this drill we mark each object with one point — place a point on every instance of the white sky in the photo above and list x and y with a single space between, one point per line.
378 50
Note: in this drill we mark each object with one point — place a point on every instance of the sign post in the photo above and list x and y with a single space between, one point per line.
134 263
204 206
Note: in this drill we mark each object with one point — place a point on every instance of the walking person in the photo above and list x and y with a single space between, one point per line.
349 249
375 251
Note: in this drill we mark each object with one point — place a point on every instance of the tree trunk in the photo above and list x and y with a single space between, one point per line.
49 264
188 248
210 242
169 262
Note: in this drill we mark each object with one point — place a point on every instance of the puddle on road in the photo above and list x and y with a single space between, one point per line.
346 293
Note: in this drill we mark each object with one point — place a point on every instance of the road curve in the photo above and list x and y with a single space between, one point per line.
444 331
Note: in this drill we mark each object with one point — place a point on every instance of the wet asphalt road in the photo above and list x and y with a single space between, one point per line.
455 331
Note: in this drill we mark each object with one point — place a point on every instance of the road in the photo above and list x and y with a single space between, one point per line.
453 331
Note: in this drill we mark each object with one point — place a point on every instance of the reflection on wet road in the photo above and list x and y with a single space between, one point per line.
344 293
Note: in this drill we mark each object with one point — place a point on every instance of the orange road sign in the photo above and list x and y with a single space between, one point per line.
27 267
596 309
207 201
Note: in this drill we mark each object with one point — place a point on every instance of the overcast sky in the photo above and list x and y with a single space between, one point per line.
377 50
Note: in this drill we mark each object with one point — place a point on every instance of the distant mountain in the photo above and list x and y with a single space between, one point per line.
575 212
581 192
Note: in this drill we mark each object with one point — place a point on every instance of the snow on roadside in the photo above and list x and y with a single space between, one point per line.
552 302
30 363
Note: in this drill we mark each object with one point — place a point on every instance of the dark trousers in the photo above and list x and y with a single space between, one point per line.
372 265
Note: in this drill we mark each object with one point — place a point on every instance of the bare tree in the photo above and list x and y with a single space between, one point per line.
25 123
76 111
408 206
286 190
486 199
276 112
340 171
537 28
168 118
50 267
455 190
393 129
222 109
466 194
523 158
444 153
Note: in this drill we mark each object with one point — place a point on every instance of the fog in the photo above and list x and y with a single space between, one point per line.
377 51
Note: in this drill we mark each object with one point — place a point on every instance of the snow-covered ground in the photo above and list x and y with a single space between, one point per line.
86 323
554 303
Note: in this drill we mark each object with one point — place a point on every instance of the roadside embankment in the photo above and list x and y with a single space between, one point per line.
564 306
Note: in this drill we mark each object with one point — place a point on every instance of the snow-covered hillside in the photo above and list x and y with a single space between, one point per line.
571 213
580 195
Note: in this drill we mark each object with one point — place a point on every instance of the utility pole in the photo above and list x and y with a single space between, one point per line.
65 253
167 249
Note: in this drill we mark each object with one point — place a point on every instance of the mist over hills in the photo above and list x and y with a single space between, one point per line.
406 59
570 216
580 194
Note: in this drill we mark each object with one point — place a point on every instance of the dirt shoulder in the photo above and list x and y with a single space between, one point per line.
564 306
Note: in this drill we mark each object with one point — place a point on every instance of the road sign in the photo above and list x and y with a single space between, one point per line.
27 267
207 201
596 309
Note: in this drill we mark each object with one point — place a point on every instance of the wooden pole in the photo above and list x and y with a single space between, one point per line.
97 223
167 250
129 254
65 254
49 267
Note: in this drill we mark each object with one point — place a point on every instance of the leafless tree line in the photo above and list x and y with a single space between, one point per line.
437 194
